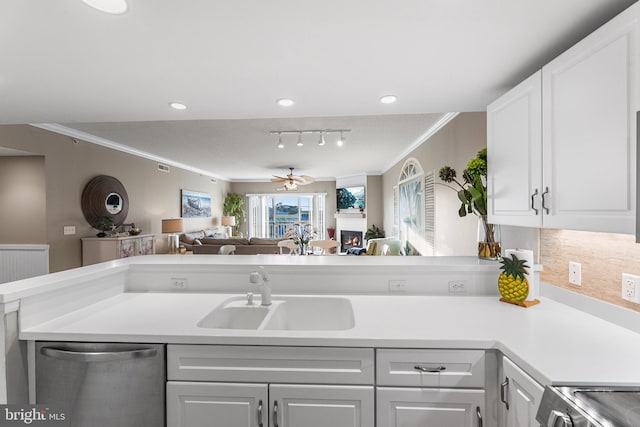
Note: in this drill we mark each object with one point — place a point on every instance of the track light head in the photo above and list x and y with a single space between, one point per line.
280 144
321 141
299 143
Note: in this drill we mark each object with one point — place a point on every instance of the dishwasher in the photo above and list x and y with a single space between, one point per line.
103 384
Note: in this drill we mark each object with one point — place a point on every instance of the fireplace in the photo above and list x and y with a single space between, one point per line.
350 239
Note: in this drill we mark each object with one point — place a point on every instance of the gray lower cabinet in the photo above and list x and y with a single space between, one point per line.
420 407
418 388
251 386
192 404
520 395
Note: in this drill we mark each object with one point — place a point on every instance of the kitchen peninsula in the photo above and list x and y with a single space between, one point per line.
398 305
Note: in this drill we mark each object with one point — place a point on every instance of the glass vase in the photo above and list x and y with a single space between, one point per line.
489 240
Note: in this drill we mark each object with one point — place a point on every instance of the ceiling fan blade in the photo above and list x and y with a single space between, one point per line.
308 179
278 179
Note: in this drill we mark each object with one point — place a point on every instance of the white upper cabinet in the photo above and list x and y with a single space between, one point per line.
589 99
514 143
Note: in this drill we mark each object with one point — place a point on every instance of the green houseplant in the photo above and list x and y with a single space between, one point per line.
472 193
234 206
105 224
374 232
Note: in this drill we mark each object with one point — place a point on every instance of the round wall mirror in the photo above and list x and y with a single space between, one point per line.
104 196
113 203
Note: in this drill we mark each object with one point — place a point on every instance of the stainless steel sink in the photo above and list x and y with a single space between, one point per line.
295 313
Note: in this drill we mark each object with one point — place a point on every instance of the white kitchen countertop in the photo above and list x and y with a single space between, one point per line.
551 341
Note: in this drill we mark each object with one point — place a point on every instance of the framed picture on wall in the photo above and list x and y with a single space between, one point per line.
195 204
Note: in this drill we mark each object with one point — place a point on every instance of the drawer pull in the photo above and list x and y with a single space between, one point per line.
533 196
544 200
260 424
479 416
435 370
504 392
275 413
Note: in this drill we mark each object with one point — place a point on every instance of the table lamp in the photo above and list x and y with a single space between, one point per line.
171 227
230 222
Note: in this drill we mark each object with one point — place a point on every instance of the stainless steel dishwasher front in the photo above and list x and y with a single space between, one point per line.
103 384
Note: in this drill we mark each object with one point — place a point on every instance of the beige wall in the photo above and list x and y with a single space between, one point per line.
454 145
23 218
69 165
375 202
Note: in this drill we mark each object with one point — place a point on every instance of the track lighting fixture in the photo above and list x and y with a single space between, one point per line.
322 133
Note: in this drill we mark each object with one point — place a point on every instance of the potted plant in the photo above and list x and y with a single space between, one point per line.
373 232
105 224
472 193
234 206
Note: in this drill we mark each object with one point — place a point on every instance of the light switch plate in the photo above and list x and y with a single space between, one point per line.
69 230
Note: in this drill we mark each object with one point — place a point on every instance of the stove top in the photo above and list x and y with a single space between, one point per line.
618 407
590 406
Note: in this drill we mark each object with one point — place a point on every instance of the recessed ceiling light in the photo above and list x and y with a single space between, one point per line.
115 7
388 99
178 105
285 102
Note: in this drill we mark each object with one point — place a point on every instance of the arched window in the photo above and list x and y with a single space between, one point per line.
414 209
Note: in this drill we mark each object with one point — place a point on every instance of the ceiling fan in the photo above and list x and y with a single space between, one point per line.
292 181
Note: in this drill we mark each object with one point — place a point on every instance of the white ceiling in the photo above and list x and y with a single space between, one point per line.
63 62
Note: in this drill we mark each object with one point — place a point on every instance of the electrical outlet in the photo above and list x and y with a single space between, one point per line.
397 286
457 286
631 288
575 273
177 283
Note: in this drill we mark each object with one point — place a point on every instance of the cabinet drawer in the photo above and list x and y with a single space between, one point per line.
431 368
270 364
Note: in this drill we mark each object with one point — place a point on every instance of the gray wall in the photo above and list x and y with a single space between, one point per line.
69 165
23 217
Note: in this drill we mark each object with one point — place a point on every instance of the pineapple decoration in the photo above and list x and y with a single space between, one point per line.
512 283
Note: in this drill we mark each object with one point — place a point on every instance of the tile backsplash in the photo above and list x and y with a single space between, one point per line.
604 257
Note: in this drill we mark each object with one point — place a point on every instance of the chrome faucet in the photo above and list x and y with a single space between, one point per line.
265 287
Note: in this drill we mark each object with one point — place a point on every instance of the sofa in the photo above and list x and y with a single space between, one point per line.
203 242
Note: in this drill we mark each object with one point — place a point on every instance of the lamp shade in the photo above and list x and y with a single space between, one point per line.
172 225
229 221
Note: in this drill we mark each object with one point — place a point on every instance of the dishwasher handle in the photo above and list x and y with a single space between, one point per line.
98 356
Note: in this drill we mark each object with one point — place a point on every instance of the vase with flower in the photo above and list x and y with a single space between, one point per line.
472 193
301 234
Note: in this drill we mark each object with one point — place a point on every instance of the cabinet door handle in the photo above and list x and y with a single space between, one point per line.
275 413
479 416
504 387
260 413
544 200
435 370
533 197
